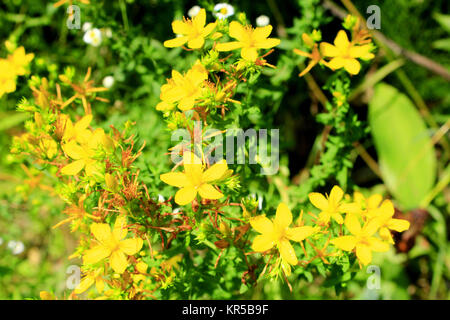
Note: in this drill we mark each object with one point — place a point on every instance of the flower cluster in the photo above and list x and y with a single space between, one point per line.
362 240
127 234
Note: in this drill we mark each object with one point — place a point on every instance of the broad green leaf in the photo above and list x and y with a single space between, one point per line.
405 151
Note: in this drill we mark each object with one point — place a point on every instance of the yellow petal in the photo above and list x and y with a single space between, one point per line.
185 195
364 254
352 224
352 66
359 51
120 228
287 252
261 33
200 19
371 227
177 179
237 31
85 284
193 167
164 106
176 42
262 243
99 284
180 27
96 254
196 43
141 267
102 232
74 150
346 243
337 63
207 191
215 172
300 233
250 54
83 123
73 168
350 208
386 210
92 168
341 41
336 195
283 216
378 245
328 50
337 217
118 261
398 225
318 201
385 234
267 43
131 246
374 201
228 46
262 224
186 103
324 217
208 29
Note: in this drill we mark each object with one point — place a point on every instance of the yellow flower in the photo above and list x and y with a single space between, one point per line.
344 53
384 217
249 40
20 60
277 233
362 239
185 90
91 277
195 179
112 245
7 77
78 132
366 207
83 154
191 31
331 206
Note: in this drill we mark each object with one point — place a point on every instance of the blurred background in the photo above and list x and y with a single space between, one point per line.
413 58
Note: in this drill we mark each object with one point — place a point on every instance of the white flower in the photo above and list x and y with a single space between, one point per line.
262 21
194 11
87 26
160 198
108 81
93 37
17 247
223 10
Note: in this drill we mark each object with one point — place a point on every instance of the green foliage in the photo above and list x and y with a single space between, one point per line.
408 161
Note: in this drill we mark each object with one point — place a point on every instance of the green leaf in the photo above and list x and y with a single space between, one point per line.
10 120
405 151
443 20
443 44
